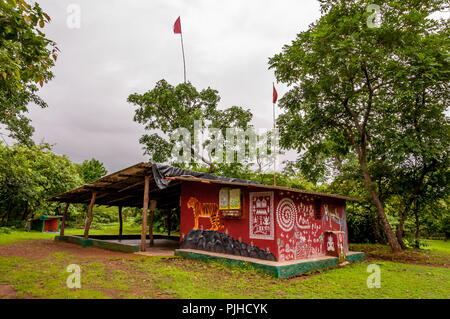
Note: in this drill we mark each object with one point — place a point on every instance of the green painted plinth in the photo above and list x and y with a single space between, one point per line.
75 240
355 257
97 243
276 269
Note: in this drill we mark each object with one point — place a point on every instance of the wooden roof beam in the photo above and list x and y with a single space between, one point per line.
118 199
134 175
131 186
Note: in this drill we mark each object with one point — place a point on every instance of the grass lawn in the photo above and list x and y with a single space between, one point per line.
109 229
15 236
438 246
436 253
37 269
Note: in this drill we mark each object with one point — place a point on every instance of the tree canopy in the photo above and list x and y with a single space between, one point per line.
30 175
379 93
26 57
91 170
166 108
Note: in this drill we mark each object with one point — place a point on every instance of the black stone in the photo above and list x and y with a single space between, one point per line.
214 241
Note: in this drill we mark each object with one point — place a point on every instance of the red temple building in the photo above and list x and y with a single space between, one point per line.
218 216
291 224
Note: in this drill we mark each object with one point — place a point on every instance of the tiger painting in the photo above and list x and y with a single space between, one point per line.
210 210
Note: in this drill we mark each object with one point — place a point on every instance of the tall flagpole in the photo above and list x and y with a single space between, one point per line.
177 29
184 59
274 143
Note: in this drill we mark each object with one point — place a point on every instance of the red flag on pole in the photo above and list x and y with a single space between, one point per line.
177 26
177 30
275 95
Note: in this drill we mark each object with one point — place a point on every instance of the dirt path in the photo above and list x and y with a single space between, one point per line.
7 292
41 248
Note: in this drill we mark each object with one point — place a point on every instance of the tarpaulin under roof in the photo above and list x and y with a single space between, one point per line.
126 187
162 172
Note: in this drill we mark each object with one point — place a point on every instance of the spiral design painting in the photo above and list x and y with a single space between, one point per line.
286 214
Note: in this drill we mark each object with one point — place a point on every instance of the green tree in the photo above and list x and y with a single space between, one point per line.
30 175
351 85
91 170
445 224
166 108
26 57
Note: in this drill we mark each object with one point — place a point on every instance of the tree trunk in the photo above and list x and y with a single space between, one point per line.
377 233
361 151
379 206
416 214
399 231
6 215
411 200
3 217
26 211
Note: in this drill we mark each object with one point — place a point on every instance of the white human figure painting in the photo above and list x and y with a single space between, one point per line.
330 244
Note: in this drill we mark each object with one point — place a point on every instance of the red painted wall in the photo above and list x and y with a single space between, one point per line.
51 225
304 236
295 234
209 193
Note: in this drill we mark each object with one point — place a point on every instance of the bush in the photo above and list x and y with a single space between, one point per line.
412 242
445 227
6 230
160 224
360 226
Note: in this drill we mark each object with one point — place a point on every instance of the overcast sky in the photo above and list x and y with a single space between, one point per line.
124 46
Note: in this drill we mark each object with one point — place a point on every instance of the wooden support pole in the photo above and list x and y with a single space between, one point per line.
120 223
144 213
63 224
89 216
152 215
